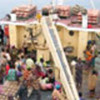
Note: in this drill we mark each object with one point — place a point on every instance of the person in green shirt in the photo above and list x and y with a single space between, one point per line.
12 76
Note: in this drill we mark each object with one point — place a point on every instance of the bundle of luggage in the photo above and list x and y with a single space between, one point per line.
93 16
46 10
63 11
75 10
24 11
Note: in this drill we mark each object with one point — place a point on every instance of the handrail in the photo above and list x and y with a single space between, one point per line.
55 47
52 49
71 80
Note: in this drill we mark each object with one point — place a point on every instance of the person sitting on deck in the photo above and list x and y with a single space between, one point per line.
57 93
51 76
45 85
39 72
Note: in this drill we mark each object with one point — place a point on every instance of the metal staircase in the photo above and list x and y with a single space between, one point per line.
54 44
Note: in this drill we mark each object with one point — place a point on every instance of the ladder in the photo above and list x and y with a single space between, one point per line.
55 47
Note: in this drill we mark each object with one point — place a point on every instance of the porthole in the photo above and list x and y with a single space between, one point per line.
71 33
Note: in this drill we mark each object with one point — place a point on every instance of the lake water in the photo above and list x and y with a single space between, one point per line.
7 5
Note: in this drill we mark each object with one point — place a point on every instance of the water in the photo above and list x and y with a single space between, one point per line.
7 5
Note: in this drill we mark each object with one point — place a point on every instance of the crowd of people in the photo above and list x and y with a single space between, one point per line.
35 75
88 66
21 65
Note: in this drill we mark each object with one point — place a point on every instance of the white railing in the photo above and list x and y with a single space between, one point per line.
57 52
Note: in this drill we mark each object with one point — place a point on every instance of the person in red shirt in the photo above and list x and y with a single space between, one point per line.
6 34
6 30
7 69
38 71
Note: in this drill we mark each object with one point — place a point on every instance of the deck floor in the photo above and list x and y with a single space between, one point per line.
45 95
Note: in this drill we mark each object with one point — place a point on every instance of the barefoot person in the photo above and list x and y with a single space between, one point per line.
79 73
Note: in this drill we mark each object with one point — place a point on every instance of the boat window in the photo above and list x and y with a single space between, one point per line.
71 33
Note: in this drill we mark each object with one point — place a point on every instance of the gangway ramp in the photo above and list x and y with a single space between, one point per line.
54 44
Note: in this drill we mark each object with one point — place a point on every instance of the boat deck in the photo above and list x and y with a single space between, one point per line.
71 22
45 95
68 23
